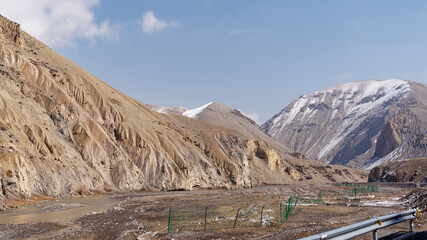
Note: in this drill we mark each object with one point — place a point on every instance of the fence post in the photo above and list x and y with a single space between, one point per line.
355 192
169 220
320 197
260 221
206 211
288 208
281 213
287 214
235 220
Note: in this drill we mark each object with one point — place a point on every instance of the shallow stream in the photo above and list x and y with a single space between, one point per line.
58 211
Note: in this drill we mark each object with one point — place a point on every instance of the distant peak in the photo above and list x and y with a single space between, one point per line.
192 113
219 106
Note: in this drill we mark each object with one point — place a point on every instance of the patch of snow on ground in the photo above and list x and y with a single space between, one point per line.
384 203
307 204
147 235
192 113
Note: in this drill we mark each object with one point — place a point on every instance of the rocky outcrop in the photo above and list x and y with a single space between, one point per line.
2 192
416 199
388 141
11 31
412 170
360 124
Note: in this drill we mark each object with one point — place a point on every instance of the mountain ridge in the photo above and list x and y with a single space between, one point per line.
219 114
341 124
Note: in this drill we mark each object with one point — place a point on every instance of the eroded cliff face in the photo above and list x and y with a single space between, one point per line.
387 141
63 131
405 133
11 31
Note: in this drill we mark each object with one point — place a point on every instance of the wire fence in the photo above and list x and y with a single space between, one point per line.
221 217
344 191
211 218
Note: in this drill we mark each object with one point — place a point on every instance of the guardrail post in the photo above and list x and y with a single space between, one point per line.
411 225
374 235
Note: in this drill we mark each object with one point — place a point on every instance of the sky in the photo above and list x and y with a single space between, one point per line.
255 56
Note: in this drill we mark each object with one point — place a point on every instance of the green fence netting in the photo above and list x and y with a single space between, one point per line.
211 218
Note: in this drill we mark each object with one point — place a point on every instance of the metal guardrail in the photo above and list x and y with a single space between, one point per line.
371 225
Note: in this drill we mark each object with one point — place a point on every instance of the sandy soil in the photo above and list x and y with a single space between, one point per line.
144 215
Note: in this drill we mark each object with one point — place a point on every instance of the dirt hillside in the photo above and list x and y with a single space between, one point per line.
64 131
219 114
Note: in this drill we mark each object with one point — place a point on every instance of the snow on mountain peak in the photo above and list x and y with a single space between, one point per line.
352 95
369 87
192 113
344 107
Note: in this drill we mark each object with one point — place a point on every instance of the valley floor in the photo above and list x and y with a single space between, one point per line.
145 215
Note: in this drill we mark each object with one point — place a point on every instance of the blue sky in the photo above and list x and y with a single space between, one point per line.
256 56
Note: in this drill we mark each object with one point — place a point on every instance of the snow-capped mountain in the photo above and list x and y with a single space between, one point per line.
358 124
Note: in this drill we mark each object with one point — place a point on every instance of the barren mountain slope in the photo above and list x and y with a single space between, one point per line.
63 131
222 115
264 163
359 124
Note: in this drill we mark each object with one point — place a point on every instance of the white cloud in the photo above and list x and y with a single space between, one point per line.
150 24
58 23
239 31
253 116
